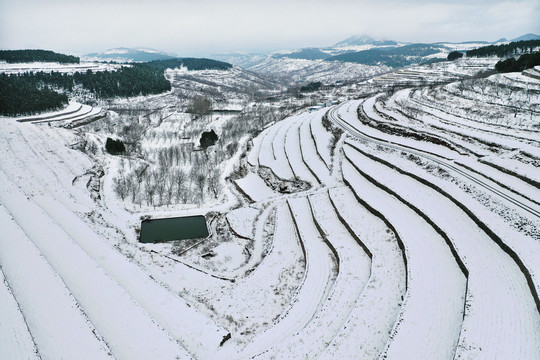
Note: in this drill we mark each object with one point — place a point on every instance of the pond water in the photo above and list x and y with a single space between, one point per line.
177 228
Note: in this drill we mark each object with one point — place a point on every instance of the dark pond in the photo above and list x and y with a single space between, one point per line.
178 228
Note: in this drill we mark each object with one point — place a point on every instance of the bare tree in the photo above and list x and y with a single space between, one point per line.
200 183
120 187
182 193
201 106
214 183
149 188
159 181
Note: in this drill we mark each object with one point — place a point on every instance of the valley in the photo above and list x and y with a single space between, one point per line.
392 210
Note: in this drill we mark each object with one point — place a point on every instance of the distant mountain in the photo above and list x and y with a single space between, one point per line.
526 37
129 55
364 40
306 54
391 56
192 64
27 56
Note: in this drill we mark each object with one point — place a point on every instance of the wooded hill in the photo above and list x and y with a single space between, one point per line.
390 56
25 56
28 93
513 48
525 61
193 64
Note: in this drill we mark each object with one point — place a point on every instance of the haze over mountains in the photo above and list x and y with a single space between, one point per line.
349 45
127 54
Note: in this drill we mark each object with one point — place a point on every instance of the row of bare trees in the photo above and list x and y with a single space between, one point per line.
181 173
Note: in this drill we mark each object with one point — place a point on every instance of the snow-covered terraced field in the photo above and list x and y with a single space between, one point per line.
414 236
17 68
71 116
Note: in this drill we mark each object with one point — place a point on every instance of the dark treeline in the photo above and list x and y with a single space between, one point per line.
454 55
190 63
313 86
513 48
139 79
20 95
526 61
23 56
29 93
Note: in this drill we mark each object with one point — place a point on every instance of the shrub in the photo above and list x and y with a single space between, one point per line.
526 61
115 147
454 55
208 138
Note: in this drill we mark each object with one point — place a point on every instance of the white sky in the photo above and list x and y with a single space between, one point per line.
204 27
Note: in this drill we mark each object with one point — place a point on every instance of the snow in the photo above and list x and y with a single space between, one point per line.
17 68
87 264
356 266
71 108
508 300
59 328
15 339
315 288
366 330
322 140
294 154
418 331
255 187
309 150
242 221
354 271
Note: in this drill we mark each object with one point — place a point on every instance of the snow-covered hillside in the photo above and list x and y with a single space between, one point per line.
403 222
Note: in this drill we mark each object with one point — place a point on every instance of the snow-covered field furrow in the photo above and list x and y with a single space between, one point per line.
352 120
438 155
316 285
126 327
310 155
73 107
476 130
28 163
294 154
435 129
58 326
39 172
354 272
509 181
506 180
196 332
457 112
267 156
254 187
16 341
499 302
271 285
85 111
526 172
281 166
419 330
519 240
365 333
323 138
253 156
399 103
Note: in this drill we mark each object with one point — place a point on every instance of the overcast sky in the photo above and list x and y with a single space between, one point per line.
204 27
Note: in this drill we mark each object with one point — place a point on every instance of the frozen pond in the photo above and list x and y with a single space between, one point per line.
177 228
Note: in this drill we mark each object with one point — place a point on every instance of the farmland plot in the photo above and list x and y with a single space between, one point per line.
417 234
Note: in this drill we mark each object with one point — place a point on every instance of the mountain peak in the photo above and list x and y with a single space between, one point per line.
364 40
529 36
130 54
